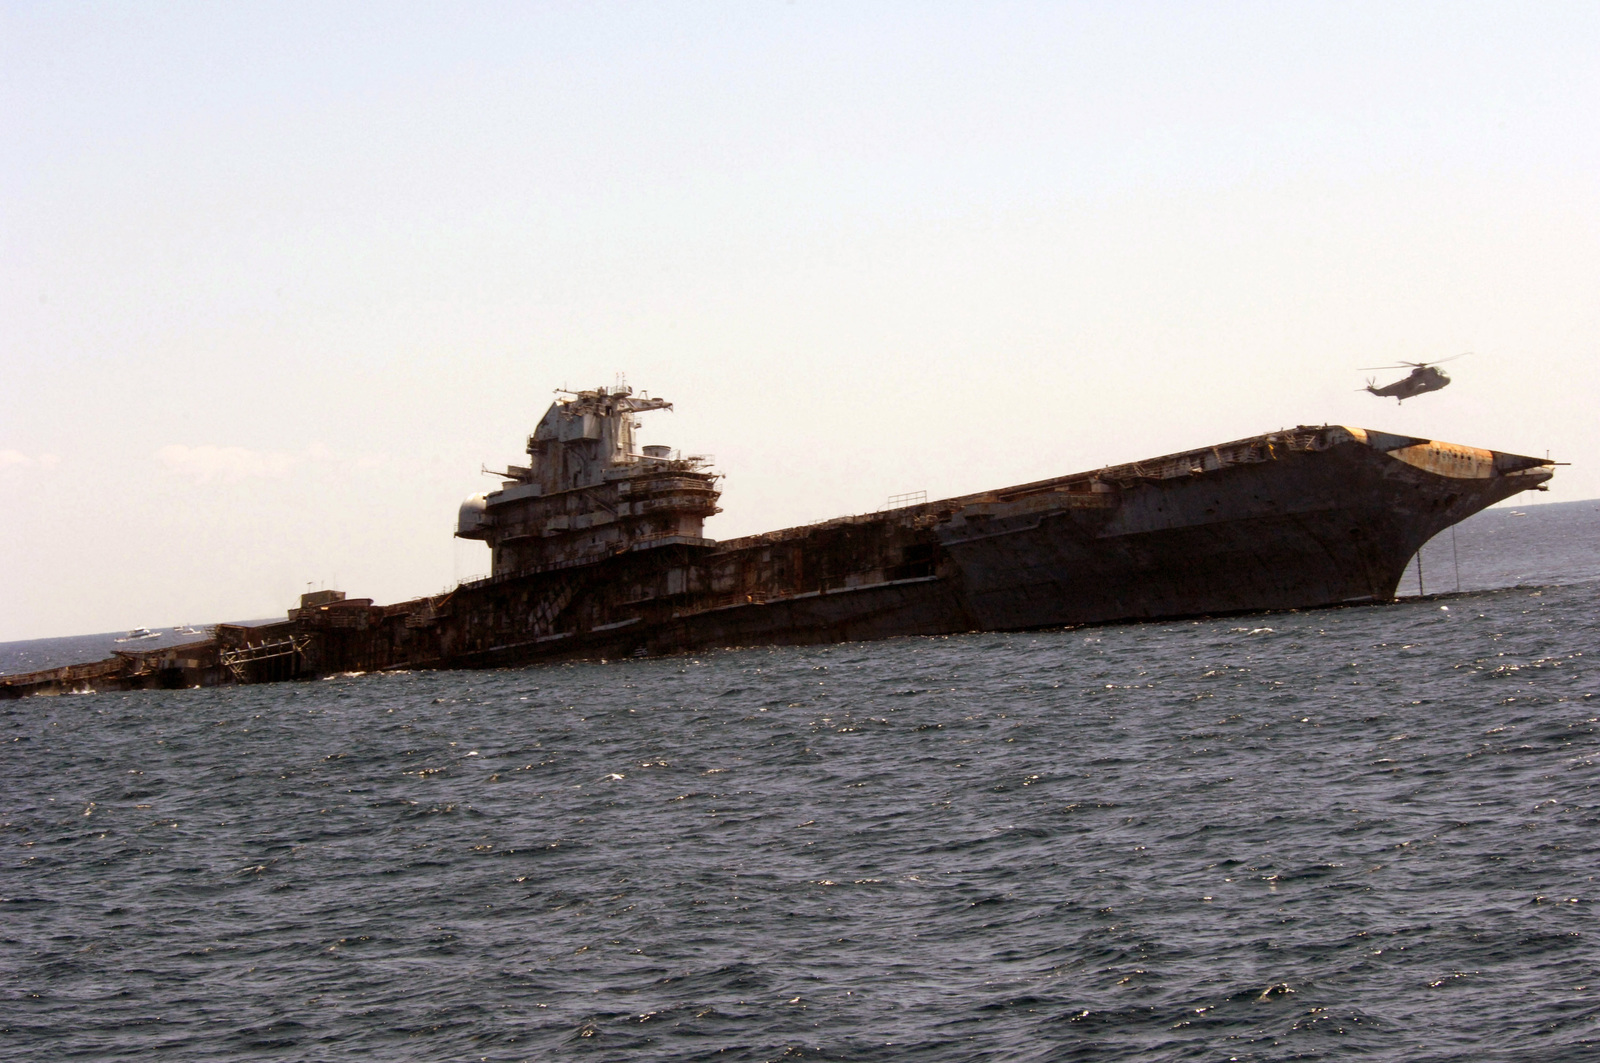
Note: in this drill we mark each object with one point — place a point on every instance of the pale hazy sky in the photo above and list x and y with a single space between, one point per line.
276 279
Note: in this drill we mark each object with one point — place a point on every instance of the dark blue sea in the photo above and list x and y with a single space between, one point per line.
1365 832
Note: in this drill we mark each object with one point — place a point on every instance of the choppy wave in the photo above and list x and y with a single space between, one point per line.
1365 831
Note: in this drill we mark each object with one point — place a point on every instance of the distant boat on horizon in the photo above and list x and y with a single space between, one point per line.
139 633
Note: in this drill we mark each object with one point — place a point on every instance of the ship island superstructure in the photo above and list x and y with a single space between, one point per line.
588 492
598 550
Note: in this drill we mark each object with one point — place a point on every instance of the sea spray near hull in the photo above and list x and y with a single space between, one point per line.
598 552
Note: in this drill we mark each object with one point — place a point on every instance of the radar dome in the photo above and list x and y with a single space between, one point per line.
471 521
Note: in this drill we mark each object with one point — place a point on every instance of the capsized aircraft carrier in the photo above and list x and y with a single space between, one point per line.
598 551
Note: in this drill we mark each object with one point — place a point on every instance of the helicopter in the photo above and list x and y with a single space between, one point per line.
1423 377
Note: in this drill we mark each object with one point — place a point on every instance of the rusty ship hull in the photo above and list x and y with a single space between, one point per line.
1313 517
609 566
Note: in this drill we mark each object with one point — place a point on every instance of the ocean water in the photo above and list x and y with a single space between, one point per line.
1366 832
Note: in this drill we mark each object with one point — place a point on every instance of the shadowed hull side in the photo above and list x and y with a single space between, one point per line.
923 606
1308 530
1305 529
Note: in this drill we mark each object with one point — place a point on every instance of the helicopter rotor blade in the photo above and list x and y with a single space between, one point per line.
1437 361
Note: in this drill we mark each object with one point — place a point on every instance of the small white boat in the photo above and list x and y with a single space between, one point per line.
140 633
185 629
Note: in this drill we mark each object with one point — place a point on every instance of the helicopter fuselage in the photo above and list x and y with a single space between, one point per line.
1419 380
